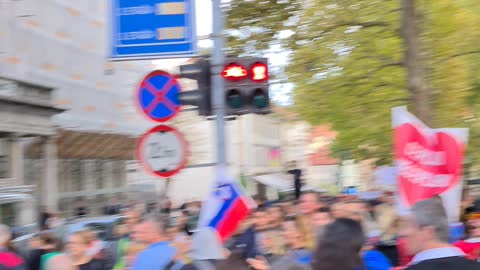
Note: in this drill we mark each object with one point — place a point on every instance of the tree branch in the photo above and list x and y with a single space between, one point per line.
355 23
458 55
371 73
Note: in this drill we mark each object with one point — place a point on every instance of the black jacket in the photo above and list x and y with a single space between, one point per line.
34 258
448 263
95 264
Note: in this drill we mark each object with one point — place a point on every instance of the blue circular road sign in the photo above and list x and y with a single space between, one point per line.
158 96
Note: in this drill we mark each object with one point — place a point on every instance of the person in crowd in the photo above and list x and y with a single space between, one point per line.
182 245
112 208
137 231
193 210
427 235
275 217
47 243
321 218
289 209
297 178
98 249
308 205
8 259
34 243
233 261
339 246
132 216
471 245
372 258
151 207
296 252
388 221
81 209
44 216
358 211
77 248
404 256
247 241
272 245
60 262
182 225
466 205
338 210
159 253
131 254
55 221
166 207
119 247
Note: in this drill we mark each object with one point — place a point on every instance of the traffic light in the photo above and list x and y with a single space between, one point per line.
200 72
246 86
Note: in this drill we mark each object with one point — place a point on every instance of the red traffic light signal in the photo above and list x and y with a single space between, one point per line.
259 72
234 72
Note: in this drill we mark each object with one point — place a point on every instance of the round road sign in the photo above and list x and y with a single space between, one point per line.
158 96
162 151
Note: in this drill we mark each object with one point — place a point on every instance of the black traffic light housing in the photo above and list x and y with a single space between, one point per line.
201 98
246 86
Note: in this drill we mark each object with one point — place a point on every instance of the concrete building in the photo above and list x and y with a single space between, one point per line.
54 76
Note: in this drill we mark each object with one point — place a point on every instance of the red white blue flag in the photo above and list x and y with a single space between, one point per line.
227 206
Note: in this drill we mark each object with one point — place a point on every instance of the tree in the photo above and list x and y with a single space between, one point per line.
353 60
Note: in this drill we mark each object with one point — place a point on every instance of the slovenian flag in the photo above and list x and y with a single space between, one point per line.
225 208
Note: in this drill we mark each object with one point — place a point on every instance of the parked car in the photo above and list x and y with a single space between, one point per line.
103 226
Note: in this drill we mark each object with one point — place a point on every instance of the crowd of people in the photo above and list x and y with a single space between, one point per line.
316 232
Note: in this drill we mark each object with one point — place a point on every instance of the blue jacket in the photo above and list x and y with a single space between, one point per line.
156 256
375 260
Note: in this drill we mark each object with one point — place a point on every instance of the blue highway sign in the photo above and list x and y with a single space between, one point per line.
152 29
157 96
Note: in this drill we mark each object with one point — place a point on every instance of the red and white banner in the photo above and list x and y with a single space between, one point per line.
429 162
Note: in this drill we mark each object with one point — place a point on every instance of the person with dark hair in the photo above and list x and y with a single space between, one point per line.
320 219
471 245
44 216
48 243
427 237
339 246
275 215
248 241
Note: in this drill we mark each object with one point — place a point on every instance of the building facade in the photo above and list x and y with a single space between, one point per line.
54 75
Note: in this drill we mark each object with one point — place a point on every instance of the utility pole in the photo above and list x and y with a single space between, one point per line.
218 100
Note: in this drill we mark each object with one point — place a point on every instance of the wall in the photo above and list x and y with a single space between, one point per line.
62 44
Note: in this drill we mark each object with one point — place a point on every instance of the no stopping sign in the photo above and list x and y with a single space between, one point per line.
162 151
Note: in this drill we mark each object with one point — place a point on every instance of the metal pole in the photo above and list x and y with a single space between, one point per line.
218 101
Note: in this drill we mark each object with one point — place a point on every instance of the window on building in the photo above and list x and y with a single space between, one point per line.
7 214
99 174
3 167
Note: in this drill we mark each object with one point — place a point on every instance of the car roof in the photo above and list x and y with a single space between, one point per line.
101 219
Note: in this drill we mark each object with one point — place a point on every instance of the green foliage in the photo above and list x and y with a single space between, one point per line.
347 63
